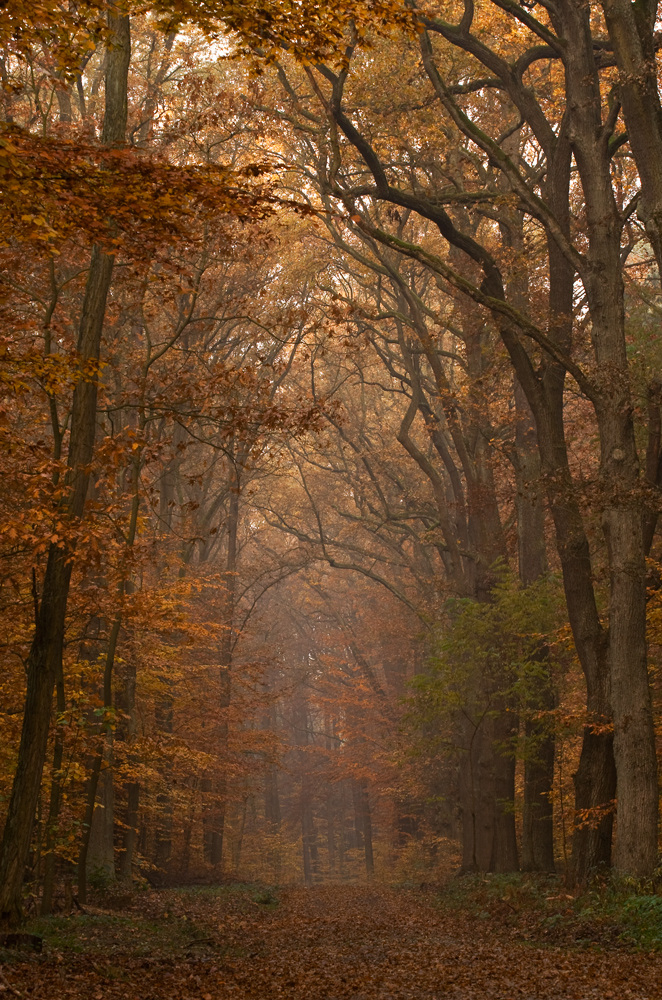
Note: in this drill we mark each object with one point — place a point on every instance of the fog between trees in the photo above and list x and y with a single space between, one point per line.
331 443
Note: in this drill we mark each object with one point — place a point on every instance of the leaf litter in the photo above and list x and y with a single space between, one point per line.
335 942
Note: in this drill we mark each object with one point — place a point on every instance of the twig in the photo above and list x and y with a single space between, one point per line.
7 985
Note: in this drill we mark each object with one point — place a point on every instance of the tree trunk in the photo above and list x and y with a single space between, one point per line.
503 731
103 752
100 860
130 833
163 824
50 865
623 508
272 799
225 665
634 733
308 833
46 650
331 828
538 808
130 838
238 836
366 826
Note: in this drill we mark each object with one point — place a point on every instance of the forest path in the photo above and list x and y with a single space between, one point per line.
327 943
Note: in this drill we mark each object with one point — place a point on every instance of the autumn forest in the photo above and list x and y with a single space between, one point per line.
331 452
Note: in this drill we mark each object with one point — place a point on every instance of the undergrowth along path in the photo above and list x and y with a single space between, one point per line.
331 942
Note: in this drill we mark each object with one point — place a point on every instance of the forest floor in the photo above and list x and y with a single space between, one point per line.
499 940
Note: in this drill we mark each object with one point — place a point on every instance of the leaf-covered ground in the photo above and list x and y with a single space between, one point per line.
326 943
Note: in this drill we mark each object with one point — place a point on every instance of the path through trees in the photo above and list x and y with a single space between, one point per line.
342 942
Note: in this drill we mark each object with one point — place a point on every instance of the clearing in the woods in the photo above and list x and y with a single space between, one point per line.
332 943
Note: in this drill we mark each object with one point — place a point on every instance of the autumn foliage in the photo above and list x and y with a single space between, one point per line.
330 445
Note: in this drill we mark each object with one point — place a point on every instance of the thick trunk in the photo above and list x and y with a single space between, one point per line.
487 792
595 788
595 781
634 734
46 651
622 506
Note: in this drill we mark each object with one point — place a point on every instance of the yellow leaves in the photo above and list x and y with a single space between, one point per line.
306 29
39 228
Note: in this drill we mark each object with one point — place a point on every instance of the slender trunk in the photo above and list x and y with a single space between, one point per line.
331 829
468 740
100 861
188 832
342 838
97 763
503 731
308 833
272 812
130 838
50 865
130 834
272 799
632 28
45 655
227 644
538 808
358 819
104 751
163 826
366 824
238 838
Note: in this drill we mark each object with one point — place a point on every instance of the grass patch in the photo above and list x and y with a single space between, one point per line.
112 934
193 923
539 908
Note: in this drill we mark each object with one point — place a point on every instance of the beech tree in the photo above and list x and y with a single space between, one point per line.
541 347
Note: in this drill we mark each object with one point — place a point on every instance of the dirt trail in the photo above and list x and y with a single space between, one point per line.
327 943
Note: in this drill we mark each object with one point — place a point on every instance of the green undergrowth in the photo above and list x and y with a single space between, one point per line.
539 908
114 933
202 922
241 896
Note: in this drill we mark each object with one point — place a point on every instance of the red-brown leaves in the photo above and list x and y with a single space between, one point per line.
55 190
334 941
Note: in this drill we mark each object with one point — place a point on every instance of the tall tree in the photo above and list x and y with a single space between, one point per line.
46 650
